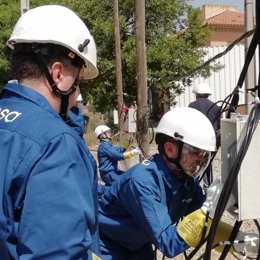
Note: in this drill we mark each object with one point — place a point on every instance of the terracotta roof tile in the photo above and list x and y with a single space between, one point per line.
227 18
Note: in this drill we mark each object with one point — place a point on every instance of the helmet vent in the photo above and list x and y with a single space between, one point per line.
82 46
177 135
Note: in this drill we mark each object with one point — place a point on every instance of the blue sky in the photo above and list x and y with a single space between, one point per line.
238 3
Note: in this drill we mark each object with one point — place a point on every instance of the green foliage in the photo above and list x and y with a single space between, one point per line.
174 37
10 11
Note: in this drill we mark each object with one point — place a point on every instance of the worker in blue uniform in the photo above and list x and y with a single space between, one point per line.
76 118
206 106
109 155
48 180
144 206
212 111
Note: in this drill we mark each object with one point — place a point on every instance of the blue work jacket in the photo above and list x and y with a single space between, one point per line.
48 182
142 208
76 120
209 109
108 157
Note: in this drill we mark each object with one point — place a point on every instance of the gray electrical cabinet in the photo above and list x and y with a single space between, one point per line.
247 187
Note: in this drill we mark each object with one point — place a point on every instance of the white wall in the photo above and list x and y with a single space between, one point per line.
225 80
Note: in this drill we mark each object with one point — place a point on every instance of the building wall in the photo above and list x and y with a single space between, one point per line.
225 36
222 34
224 81
212 10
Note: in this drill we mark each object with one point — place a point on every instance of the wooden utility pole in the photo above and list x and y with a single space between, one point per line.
250 81
119 85
24 6
142 104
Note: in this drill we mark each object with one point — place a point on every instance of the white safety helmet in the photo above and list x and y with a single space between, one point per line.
202 88
101 129
57 25
189 126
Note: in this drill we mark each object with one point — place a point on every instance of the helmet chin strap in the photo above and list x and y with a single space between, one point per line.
106 136
63 94
65 97
175 166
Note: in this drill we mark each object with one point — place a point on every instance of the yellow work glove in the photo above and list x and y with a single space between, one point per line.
95 257
133 152
125 144
191 229
192 226
127 155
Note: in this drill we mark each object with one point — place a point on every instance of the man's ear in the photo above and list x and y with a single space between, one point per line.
56 72
171 149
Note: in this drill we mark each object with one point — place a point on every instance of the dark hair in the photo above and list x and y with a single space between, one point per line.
161 139
202 95
25 66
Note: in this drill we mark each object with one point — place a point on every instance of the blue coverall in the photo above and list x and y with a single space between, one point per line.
76 120
141 208
108 157
48 182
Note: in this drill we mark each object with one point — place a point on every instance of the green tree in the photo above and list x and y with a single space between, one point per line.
174 35
10 11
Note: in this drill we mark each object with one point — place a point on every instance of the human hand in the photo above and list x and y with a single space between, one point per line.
136 151
213 193
246 242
